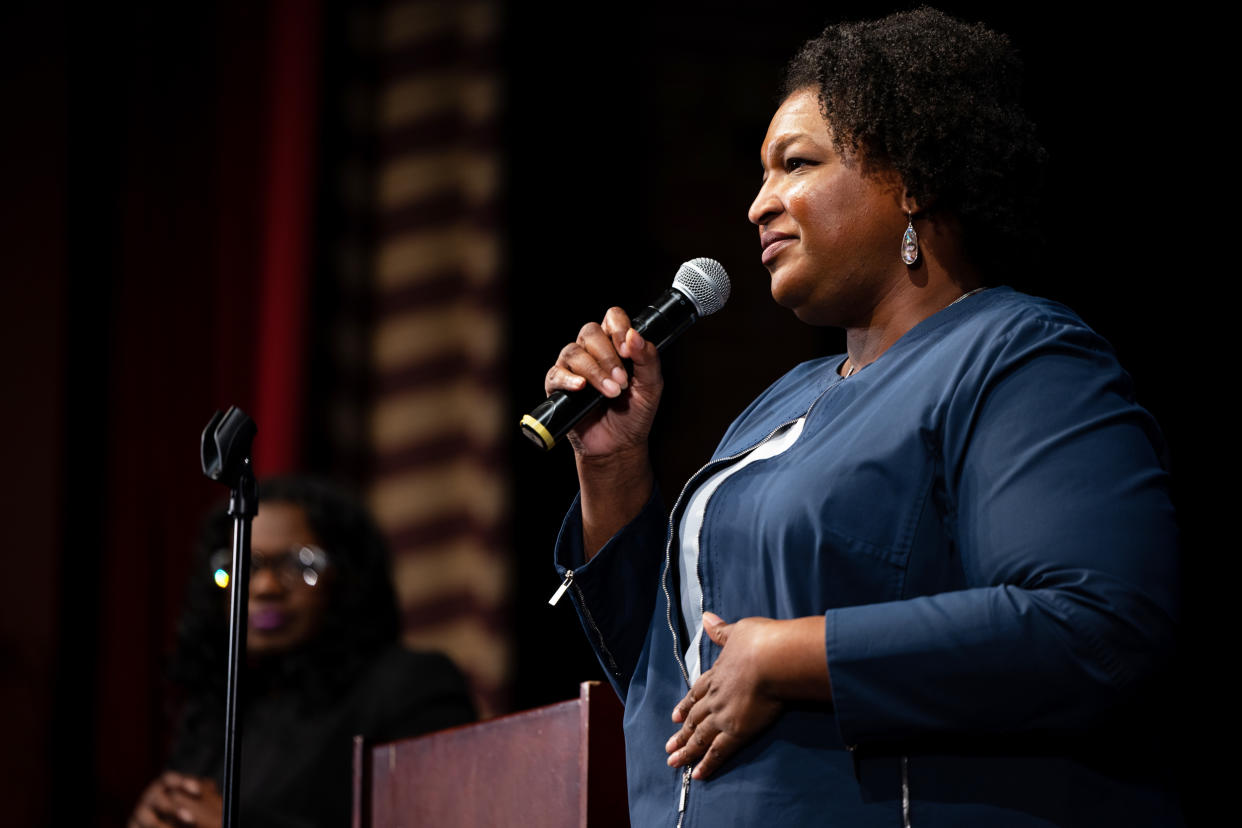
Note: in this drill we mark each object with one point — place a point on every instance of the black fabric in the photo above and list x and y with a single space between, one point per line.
296 756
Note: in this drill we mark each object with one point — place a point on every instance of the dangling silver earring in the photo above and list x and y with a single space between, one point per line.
910 243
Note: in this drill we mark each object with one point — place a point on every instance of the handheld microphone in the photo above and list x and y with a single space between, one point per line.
700 288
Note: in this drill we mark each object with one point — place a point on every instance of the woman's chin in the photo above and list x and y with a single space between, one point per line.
265 643
808 312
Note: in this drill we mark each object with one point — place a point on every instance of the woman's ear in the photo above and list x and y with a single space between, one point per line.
911 205
918 205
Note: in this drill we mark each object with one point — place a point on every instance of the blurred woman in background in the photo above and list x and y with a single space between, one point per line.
324 665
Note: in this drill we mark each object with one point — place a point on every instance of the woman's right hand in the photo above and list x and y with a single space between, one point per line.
594 358
610 445
175 800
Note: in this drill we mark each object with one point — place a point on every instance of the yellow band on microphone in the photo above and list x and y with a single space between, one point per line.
534 425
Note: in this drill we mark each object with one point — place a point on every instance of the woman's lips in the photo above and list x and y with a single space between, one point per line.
269 619
772 250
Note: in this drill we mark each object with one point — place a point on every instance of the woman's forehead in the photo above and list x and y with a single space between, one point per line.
797 117
280 525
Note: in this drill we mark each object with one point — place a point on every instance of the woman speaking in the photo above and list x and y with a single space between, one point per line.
924 582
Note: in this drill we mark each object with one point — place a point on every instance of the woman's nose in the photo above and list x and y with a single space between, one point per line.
765 206
264 581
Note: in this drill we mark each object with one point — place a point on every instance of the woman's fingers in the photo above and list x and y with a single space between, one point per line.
697 735
185 784
688 714
710 736
591 358
616 324
578 367
601 347
716 628
723 745
644 357
596 359
144 817
704 745
729 704
562 379
683 707
156 808
176 800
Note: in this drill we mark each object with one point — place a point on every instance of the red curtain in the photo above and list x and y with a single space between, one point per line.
208 309
284 292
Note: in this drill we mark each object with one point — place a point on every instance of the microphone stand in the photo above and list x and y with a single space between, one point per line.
226 447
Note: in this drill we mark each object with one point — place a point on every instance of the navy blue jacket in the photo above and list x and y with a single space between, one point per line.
982 517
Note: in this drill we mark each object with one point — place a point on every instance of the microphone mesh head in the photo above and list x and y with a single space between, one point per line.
705 283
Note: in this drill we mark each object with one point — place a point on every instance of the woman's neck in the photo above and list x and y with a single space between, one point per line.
941 277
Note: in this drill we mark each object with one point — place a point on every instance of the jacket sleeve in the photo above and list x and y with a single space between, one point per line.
615 592
1058 503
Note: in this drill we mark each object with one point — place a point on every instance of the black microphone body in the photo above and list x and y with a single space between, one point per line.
660 323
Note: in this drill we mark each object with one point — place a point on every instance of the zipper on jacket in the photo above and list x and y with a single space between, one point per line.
586 612
668 544
556 596
668 603
905 792
685 792
668 558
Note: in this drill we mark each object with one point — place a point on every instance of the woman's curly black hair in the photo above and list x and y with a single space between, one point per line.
937 100
360 620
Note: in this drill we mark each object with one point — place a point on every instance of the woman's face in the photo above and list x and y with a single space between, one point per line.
830 235
284 612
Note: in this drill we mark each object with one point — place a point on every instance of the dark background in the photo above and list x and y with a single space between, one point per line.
630 144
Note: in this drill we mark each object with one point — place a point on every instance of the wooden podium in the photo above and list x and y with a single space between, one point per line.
560 765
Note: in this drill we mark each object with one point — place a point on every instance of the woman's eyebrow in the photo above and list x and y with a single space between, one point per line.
780 143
